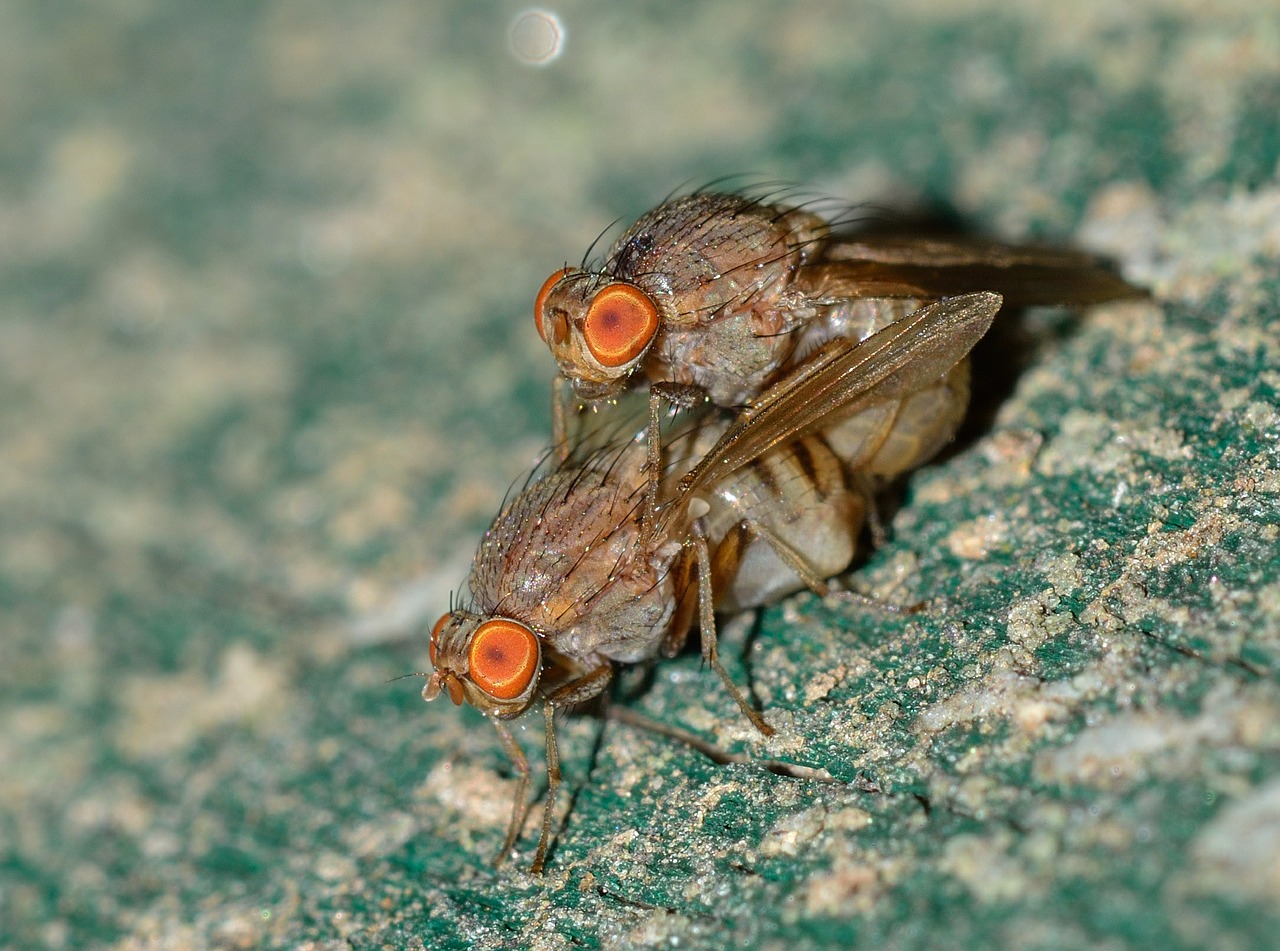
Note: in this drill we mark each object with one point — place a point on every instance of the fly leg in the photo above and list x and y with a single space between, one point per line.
560 417
731 551
788 554
682 396
522 788
707 630
590 684
814 583
864 485
686 604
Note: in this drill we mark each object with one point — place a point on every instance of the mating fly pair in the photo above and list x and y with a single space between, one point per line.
821 366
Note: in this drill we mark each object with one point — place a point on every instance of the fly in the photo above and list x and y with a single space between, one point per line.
583 571
717 296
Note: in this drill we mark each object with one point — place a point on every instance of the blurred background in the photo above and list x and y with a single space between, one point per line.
267 368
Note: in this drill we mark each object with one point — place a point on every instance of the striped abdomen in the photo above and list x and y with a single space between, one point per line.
801 496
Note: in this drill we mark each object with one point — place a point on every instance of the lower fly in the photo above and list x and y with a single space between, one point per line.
582 571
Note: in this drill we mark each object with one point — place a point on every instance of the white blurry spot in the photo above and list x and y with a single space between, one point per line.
536 37
1122 489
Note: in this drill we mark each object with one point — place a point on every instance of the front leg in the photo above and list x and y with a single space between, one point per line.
590 684
561 393
518 810
682 396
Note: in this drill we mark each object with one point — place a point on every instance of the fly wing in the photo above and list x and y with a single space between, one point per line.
1026 275
902 358
951 252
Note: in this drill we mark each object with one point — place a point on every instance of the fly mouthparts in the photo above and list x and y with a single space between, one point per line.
449 682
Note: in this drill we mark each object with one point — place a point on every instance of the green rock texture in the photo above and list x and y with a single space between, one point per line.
267 368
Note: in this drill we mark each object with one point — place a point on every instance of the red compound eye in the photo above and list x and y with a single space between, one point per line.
504 658
620 323
540 302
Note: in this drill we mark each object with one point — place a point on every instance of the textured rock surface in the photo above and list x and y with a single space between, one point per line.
267 369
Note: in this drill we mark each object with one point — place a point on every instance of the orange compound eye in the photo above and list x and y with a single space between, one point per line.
504 658
435 635
620 323
540 302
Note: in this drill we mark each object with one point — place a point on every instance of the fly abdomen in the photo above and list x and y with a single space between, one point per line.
793 503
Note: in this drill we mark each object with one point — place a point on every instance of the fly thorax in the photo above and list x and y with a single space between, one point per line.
626 624
728 359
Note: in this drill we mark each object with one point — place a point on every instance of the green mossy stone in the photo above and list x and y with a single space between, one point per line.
267 370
